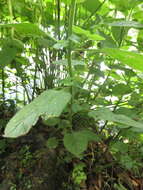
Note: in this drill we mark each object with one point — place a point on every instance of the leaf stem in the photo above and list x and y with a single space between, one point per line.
58 19
3 84
11 16
69 51
71 21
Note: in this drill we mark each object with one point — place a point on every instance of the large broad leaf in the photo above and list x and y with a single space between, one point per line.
107 115
86 33
50 102
132 59
77 142
27 29
129 24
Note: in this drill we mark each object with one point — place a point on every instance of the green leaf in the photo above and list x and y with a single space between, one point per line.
68 2
51 121
117 33
46 43
50 102
108 42
77 142
65 62
107 115
61 44
132 59
9 51
121 89
129 24
91 5
76 107
80 1
140 40
119 146
27 29
123 5
90 136
86 33
119 187
7 55
127 162
3 144
52 142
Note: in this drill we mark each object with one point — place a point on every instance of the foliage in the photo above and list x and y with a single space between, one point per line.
77 142
75 67
50 103
78 174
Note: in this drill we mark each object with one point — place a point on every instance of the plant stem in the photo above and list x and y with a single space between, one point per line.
3 84
71 21
69 51
58 19
11 16
124 31
34 82
16 93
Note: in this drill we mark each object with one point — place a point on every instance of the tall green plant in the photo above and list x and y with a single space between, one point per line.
84 55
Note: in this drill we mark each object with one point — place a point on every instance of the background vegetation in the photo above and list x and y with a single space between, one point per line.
74 69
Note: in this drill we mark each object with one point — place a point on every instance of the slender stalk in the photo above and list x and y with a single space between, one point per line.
24 98
34 82
3 84
58 19
123 31
65 20
11 15
71 21
3 74
16 88
59 53
69 51
45 77
26 91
